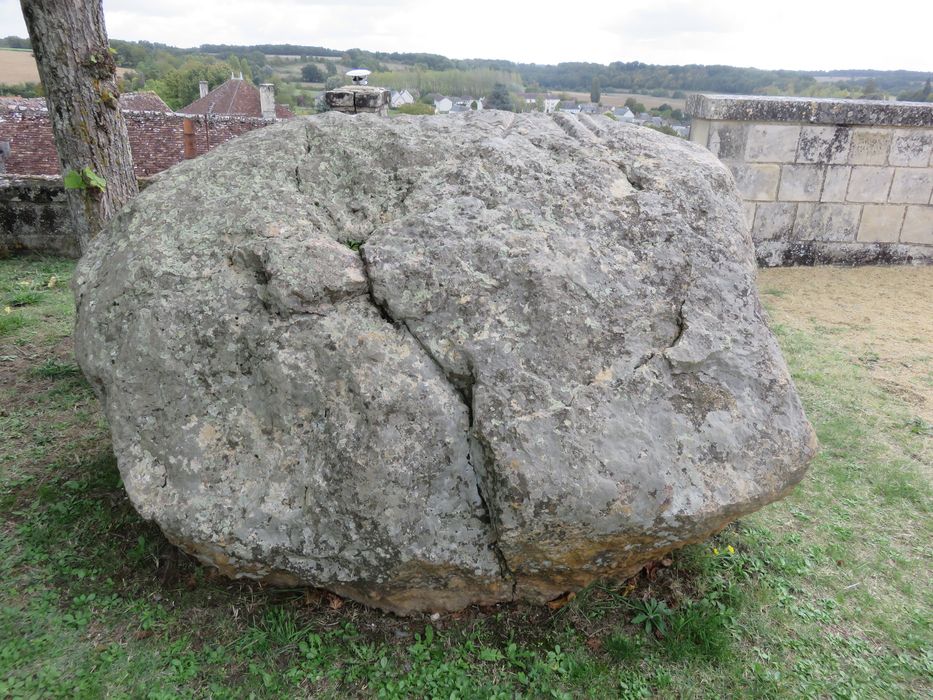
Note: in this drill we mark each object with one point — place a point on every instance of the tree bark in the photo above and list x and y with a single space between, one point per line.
78 72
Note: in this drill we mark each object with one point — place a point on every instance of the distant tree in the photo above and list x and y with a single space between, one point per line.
870 91
677 114
22 90
630 102
15 42
79 74
664 129
333 82
180 86
499 98
312 73
594 91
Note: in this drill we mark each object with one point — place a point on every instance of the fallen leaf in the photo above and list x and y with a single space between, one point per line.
561 601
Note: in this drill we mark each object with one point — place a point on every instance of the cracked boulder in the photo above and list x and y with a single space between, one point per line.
430 362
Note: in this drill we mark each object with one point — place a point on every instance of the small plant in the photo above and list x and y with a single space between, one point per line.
621 647
652 615
83 180
53 369
24 298
352 244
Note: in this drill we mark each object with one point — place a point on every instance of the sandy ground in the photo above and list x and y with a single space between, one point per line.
881 316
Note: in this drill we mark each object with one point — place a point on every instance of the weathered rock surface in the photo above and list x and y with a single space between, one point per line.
545 364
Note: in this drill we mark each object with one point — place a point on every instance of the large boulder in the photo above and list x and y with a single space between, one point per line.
428 362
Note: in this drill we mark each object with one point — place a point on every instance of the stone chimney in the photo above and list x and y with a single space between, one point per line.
267 100
358 99
202 86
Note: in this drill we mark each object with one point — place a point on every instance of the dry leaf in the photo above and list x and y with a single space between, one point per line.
561 601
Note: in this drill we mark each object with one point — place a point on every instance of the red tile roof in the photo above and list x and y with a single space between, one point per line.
143 102
236 97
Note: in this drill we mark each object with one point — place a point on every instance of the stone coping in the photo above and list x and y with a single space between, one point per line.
812 110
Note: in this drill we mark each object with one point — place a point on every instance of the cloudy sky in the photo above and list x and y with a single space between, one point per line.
793 34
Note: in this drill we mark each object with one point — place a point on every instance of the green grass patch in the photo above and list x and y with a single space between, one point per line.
825 594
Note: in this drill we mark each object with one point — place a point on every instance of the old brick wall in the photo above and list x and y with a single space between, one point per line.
156 139
824 181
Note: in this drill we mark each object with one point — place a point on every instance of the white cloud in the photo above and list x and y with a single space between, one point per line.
793 34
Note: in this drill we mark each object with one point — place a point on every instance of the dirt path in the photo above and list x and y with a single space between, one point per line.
881 316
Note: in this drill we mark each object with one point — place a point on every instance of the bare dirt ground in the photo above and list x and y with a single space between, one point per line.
882 317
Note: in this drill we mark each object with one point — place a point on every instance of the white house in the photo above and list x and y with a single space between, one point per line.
548 102
442 105
624 114
397 99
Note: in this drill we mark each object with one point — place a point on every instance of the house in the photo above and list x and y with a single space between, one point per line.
569 106
590 108
465 104
443 105
143 102
548 102
624 114
238 98
399 98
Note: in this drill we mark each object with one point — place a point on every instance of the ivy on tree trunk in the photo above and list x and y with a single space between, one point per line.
78 72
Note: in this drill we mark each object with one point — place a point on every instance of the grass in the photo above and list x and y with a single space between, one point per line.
825 594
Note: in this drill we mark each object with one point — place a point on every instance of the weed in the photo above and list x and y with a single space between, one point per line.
55 369
652 615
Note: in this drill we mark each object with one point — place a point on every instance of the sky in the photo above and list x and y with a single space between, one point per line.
791 34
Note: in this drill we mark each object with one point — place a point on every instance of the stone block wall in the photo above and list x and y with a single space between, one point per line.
848 181
34 217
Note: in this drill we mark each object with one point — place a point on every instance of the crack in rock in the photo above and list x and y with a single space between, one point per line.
464 387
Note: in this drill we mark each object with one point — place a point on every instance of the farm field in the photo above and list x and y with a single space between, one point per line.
17 66
824 594
617 99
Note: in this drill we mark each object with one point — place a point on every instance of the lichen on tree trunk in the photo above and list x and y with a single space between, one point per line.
78 72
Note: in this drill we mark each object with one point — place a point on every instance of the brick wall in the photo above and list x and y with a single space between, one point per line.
156 139
847 181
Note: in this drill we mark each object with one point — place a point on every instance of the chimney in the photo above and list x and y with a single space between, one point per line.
267 100
203 87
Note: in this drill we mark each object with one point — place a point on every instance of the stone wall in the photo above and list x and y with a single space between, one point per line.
34 217
848 181
156 138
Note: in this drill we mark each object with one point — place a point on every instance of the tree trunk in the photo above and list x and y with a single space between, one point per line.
78 73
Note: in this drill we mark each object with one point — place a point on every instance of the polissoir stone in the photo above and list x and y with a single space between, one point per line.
430 362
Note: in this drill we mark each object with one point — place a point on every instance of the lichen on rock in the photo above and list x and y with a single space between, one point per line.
429 362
